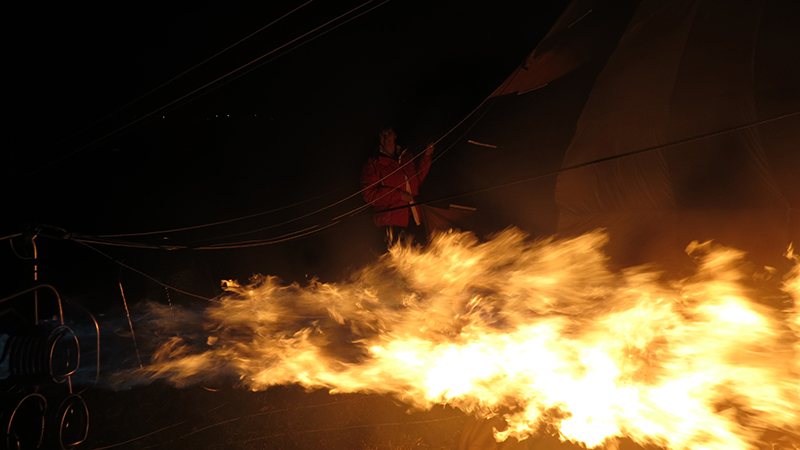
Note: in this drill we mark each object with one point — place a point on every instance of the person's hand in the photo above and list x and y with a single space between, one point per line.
429 150
406 197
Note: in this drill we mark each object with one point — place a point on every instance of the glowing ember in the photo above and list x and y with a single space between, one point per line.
534 332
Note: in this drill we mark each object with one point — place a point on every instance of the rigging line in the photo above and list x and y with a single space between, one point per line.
442 153
359 209
355 211
488 108
10 236
367 205
610 158
283 207
129 124
305 201
324 208
244 244
499 89
262 239
505 83
180 75
284 237
222 222
294 204
117 243
90 240
16 253
277 240
130 322
351 214
142 273
565 169
262 213
369 186
246 217
335 220
269 227
305 42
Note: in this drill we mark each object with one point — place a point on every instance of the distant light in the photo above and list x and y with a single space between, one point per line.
229 115
163 117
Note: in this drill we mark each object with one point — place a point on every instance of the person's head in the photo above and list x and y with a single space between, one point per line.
387 138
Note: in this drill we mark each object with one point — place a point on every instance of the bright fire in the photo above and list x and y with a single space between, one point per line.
538 333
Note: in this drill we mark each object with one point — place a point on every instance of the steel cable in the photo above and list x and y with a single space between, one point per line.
129 124
175 77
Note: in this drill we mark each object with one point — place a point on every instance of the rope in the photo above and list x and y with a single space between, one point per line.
621 155
222 222
212 57
178 76
241 244
441 154
278 240
129 124
10 236
363 207
317 211
352 213
306 42
130 322
142 273
16 253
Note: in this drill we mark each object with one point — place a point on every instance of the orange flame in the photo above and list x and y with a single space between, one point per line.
538 333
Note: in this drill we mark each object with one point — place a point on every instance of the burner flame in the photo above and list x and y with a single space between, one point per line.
540 333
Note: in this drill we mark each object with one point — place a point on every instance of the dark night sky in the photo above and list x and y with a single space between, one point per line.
292 129
295 128
421 65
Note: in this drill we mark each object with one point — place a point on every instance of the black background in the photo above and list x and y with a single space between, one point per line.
295 128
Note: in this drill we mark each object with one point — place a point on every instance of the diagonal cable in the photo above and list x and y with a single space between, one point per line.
129 124
178 76
140 272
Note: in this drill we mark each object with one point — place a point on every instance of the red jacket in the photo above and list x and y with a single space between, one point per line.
387 193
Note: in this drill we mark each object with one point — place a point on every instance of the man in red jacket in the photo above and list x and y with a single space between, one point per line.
392 180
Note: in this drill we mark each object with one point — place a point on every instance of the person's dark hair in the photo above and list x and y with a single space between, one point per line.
387 129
